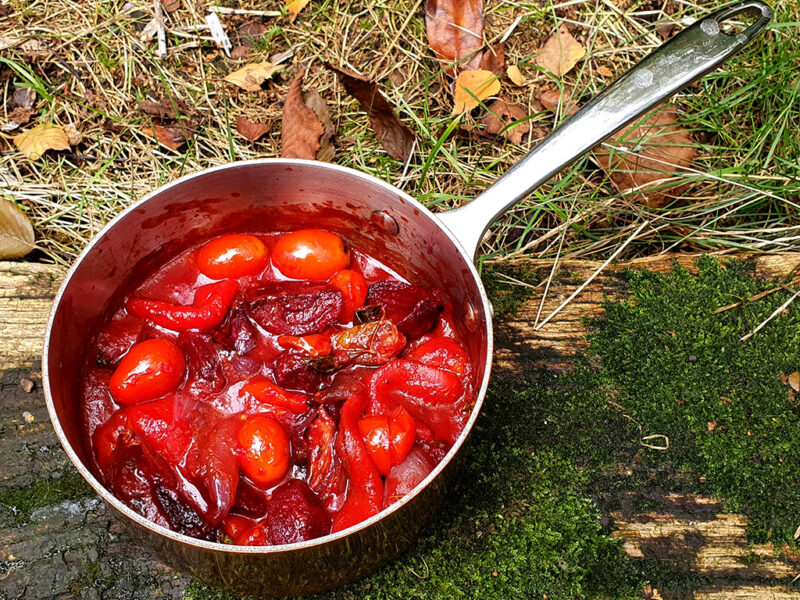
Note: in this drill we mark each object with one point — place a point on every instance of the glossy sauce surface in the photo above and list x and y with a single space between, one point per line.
301 407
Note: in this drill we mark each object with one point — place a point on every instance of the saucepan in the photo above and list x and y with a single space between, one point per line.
433 250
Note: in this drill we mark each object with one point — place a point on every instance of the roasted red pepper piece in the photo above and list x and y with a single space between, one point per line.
442 353
365 492
109 439
354 289
209 308
274 398
296 307
370 344
432 396
413 309
326 475
388 438
158 424
407 475
295 514
313 345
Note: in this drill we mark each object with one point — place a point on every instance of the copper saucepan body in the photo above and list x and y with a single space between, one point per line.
433 250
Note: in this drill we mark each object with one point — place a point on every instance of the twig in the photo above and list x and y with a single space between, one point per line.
224 10
160 33
753 298
592 276
774 314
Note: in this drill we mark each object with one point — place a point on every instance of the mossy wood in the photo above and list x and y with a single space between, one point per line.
57 540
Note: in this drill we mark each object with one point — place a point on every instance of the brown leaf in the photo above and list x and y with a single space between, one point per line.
455 30
552 99
240 52
16 231
18 116
494 59
794 381
250 32
504 118
252 131
515 75
301 129
473 87
395 137
560 52
604 71
23 98
162 109
712 425
35 142
171 136
250 77
661 147
316 103
295 6
170 5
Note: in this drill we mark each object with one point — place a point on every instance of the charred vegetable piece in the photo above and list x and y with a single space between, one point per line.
149 370
182 517
293 372
345 384
370 344
413 309
295 514
326 475
296 308
232 256
310 254
202 362
209 308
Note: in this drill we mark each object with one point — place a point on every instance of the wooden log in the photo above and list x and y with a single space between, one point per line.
68 544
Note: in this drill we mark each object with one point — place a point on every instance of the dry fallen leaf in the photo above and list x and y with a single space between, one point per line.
251 130
455 30
494 59
295 6
554 100
316 103
503 118
659 147
560 52
794 381
249 33
301 129
35 142
16 231
23 98
16 118
515 75
170 6
604 71
250 77
162 109
395 137
171 136
74 137
473 87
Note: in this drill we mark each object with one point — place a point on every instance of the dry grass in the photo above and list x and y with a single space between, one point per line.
90 69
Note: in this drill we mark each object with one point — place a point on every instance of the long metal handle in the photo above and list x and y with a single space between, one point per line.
683 59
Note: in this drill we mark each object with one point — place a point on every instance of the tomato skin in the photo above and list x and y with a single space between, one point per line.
354 288
310 254
388 439
148 371
264 449
232 256
274 397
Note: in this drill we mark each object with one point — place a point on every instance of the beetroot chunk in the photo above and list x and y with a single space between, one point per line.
238 333
413 309
296 308
295 514
292 372
202 361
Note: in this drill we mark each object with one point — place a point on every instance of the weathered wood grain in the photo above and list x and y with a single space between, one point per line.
71 548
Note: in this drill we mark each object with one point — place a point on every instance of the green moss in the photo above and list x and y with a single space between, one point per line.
17 504
508 287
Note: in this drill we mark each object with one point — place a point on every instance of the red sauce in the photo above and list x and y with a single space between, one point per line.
258 409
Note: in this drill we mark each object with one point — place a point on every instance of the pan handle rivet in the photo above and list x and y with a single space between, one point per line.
385 222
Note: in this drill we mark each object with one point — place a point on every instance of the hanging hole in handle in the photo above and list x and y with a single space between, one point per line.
744 18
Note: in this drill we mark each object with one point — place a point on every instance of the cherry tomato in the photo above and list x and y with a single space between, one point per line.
354 289
265 449
310 254
235 525
388 438
235 255
149 370
268 393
